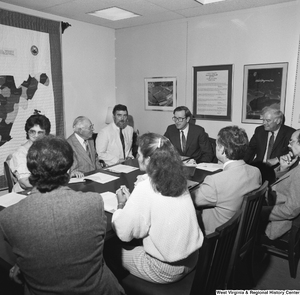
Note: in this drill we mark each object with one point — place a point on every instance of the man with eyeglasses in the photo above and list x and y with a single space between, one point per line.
114 142
85 156
284 200
189 139
270 140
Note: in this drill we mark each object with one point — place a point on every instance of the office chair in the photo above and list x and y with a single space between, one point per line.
10 178
209 274
243 249
286 246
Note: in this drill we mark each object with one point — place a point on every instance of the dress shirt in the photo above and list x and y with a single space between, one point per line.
81 140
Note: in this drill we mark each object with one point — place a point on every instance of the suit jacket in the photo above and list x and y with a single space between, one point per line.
198 146
223 192
82 162
287 203
58 240
109 146
258 144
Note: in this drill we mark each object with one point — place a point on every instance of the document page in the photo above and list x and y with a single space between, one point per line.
110 201
11 199
121 169
210 166
101 177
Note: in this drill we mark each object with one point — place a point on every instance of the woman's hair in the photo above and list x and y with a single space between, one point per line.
48 161
235 142
37 119
165 167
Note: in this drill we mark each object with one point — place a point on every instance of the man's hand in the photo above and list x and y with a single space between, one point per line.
76 174
287 161
272 162
16 275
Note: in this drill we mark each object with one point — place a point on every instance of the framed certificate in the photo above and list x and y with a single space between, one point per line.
212 92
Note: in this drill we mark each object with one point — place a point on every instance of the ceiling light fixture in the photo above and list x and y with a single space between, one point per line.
113 13
208 1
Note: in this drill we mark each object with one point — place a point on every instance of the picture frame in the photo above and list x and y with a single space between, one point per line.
212 92
264 85
160 94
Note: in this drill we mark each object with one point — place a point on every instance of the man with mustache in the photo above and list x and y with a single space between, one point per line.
284 194
114 142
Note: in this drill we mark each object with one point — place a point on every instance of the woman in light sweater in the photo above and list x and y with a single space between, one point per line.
161 213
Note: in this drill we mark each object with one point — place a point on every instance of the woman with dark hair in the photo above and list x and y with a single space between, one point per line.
161 212
57 234
37 126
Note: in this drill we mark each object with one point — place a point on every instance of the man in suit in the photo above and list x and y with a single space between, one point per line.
114 142
222 193
270 140
190 140
285 192
85 156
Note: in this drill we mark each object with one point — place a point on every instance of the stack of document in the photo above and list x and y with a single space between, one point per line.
11 199
210 166
97 177
121 169
110 201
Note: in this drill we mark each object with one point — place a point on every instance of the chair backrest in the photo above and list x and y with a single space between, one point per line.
247 232
10 178
212 142
214 256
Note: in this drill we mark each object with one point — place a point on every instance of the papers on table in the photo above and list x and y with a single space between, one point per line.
76 180
121 169
110 201
101 177
210 166
11 199
191 184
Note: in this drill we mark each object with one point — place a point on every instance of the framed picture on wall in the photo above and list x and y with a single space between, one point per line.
212 92
160 94
264 85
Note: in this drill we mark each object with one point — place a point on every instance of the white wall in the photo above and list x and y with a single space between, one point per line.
88 68
253 36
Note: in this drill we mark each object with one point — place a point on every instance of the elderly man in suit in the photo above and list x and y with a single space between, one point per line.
270 140
114 142
85 156
222 193
285 192
190 140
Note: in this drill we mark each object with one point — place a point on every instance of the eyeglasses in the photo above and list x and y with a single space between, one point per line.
91 127
33 132
291 141
179 119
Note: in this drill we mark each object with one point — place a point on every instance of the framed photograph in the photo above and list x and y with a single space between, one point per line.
160 94
212 92
264 85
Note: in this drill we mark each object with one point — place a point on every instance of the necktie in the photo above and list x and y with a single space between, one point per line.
183 142
122 141
87 149
270 145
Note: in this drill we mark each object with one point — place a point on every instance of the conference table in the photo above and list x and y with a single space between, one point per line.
7 258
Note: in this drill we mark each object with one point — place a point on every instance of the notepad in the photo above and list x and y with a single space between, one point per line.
191 184
101 177
121 169
110 201
11 199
